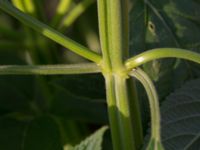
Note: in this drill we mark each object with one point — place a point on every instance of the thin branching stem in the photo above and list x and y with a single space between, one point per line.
153 100
61 10
113 25
161 53
50 32
49 69
155 140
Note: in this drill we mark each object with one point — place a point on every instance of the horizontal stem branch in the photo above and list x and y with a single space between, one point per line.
49 69
161 53
50 32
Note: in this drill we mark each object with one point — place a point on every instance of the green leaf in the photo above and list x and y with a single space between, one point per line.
20 132
80 98
181 118
88 86
94 142
165 23
14 98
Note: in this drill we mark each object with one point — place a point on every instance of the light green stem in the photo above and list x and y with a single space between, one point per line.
113 113
161 53
76 12
49 69
19 4
25 6
117 13
61 10
113 26
50 32
125 123
153 100
107 68
155 141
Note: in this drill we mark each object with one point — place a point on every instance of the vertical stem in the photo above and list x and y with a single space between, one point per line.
125 122
103 31
113 25
134 106
118 31
113 113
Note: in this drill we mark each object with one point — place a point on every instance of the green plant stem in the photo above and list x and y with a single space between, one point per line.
113 112
19 4
117 12
25 6
50 32
49 69
153 101
34 47
125 123
75 13
107 67
113 26
161 53
104 35
61 10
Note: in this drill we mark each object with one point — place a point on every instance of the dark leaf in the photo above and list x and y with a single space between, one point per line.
80 98
25 133
166 23
181 118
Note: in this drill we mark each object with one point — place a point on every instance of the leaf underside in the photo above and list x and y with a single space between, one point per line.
181 118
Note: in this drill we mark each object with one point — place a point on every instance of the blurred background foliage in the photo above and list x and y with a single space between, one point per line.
38 110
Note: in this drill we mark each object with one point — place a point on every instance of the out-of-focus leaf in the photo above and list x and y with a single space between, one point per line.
24 133
74 107
181 118
88 86
14 94
80 98
94 142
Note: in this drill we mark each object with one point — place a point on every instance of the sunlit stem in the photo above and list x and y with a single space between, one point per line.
50 32
153 100
76 12
49 69
61 10
161 53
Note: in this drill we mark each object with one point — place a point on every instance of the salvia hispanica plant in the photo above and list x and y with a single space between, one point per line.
141 43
